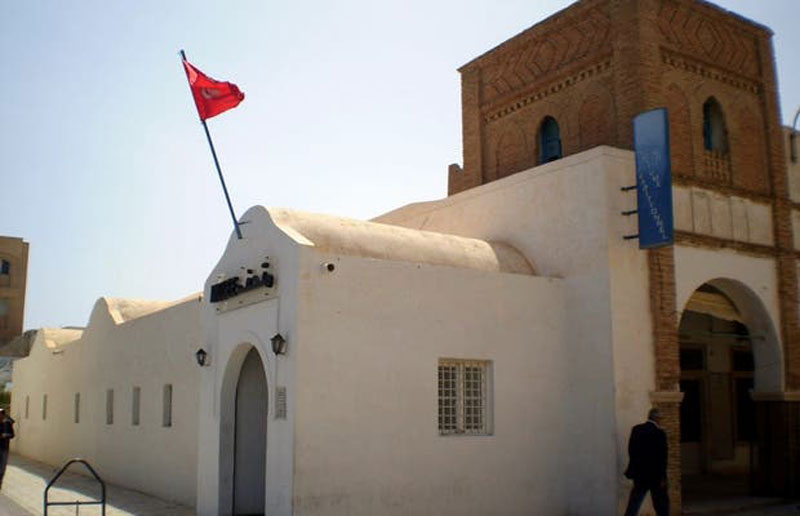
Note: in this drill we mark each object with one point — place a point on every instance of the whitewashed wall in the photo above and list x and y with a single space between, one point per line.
367 439
149 351
565 216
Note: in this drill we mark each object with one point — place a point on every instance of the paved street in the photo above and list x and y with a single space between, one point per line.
25 480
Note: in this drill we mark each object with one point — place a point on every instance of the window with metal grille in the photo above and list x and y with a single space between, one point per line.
464 397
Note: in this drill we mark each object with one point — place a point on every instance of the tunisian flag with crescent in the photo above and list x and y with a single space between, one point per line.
211 97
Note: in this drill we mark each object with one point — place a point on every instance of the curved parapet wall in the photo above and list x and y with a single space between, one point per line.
387 242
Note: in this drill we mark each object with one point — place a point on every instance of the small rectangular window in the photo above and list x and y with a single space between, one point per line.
5 267
464 397
167 414
137 392
27 405
44 406
77 407
110 406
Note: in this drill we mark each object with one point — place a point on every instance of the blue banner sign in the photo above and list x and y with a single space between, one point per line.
653 178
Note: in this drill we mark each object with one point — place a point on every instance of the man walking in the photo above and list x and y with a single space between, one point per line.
6 434
647 450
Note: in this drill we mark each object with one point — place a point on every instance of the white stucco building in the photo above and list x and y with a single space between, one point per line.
375 315
486 353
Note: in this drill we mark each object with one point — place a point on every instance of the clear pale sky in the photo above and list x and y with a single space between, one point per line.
352 108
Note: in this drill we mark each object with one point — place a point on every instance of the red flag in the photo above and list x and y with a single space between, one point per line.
211 97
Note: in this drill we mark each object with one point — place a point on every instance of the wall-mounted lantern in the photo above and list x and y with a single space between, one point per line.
278 344
202 357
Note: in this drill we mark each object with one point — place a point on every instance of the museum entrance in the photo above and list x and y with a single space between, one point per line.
718 430
250 442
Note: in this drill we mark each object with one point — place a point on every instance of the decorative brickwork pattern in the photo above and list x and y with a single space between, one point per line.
708 71
711 39
536 54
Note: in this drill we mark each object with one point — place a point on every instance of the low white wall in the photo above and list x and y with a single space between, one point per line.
367 438
147 352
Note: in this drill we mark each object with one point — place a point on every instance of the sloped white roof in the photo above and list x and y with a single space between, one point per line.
352 237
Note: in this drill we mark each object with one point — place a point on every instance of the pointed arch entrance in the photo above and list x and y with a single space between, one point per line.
250 441
243 434
728 350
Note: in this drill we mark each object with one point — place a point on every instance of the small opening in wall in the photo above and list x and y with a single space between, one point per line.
135 401
44 407
77 415
110 406
549 141
27 406
715 131
167 414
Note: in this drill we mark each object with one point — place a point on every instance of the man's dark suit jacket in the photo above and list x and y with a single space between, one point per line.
647 449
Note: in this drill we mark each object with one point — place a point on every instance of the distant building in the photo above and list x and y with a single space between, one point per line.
486 353
13 280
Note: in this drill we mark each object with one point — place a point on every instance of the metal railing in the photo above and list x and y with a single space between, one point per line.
76 503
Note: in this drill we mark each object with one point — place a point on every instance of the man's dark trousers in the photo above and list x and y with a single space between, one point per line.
658 493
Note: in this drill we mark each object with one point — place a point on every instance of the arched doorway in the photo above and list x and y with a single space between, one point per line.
250 442
728 350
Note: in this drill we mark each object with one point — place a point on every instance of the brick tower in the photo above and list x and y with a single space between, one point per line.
577 79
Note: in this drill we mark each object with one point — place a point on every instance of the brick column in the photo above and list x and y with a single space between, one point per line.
667 397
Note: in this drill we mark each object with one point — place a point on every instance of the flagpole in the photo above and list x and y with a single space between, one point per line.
216 161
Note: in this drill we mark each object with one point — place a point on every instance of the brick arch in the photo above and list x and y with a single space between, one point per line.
680 130
596 119
510 152
748 150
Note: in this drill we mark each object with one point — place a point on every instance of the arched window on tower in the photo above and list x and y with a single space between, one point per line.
715 132
5 273
549 141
